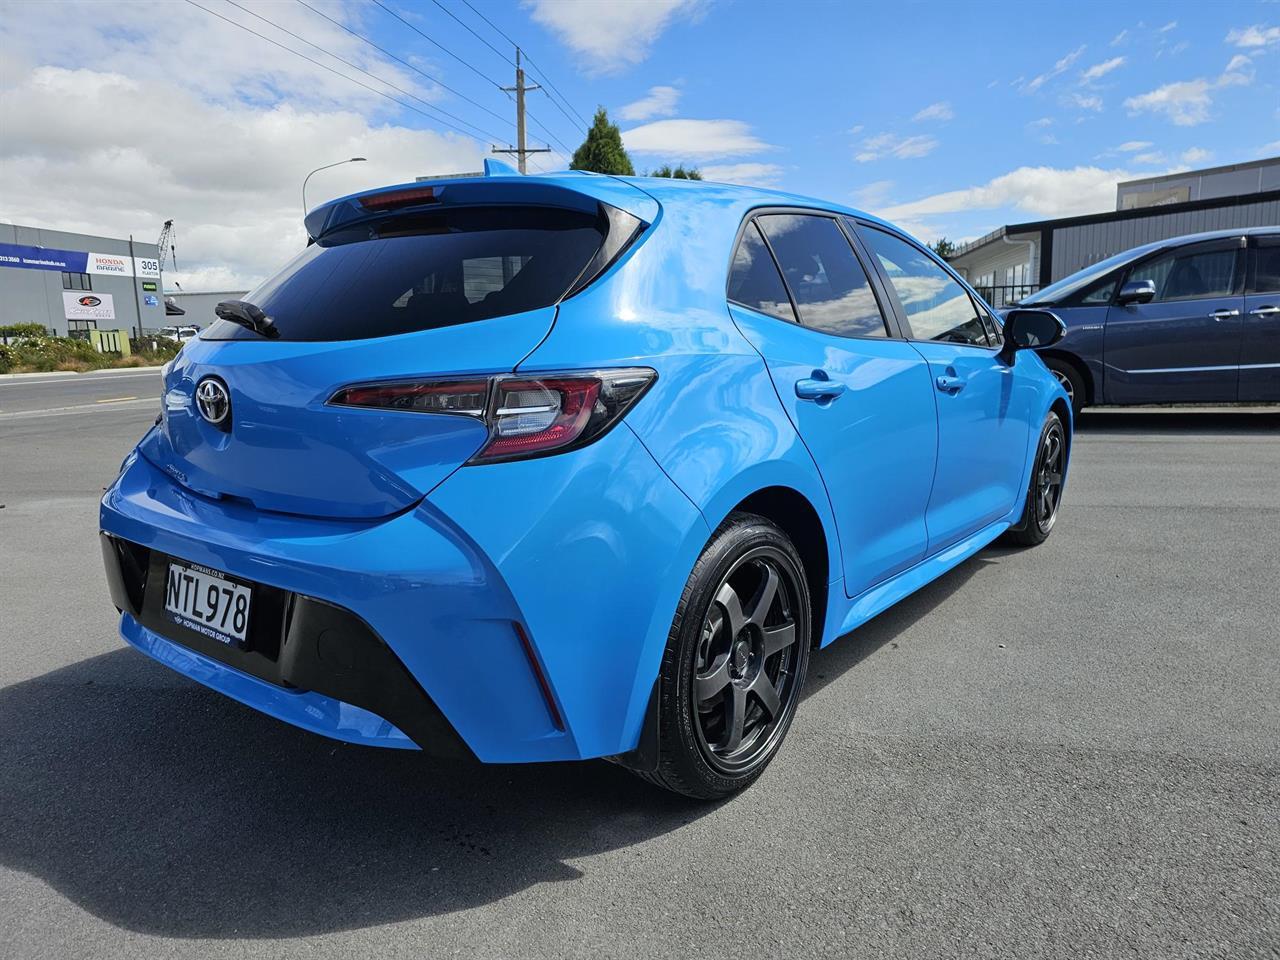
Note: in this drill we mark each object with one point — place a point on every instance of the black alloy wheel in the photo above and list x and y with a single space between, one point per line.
735 661
1044 493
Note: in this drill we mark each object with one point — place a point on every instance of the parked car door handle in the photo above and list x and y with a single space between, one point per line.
1264 311
1224 314
949 384
818 388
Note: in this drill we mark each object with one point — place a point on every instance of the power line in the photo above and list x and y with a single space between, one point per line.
465 63
354 66
545 78
385 52
325 66
467 27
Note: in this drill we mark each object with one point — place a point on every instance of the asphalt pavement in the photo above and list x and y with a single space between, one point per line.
1070 751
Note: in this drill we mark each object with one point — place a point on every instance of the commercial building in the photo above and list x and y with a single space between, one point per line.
1014 261
72 283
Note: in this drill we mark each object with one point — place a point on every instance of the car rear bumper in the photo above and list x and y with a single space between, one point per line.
518 614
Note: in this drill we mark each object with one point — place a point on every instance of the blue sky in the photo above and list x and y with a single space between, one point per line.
948 118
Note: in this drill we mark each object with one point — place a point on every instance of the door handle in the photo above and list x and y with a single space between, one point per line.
1224 314
1264 311
818 387
949 384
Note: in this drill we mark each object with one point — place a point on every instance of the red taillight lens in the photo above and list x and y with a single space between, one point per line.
400 198
526 416
465 397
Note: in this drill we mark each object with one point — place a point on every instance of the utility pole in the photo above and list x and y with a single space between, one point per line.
520 150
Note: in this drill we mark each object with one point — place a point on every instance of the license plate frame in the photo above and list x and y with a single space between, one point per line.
208 602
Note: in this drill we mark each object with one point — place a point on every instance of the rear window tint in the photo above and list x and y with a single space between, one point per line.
419 272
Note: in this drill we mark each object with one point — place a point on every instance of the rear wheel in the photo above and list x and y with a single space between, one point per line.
1072 382
735 661
1044 493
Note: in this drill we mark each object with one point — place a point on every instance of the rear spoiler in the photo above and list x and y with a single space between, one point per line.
499 185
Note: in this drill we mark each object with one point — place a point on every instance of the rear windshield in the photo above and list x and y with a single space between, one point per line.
416 272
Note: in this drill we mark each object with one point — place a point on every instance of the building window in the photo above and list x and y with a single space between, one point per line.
79 329
76 281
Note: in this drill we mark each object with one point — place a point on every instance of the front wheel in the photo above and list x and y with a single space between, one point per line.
1044 492
735 661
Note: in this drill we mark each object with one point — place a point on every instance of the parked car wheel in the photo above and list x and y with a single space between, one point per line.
1044 492
1067 375
735 661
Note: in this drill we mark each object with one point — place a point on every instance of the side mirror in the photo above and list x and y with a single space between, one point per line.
1137 291
1027 328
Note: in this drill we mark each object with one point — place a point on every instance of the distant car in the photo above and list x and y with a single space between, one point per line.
572 466
1194 319
181 334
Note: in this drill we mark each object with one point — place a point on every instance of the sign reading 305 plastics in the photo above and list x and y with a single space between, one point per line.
80 305
77 261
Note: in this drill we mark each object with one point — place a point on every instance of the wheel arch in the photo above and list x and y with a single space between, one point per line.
1080 367
792 511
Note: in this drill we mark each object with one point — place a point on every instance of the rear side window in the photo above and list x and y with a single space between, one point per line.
937 307
1266 265
1191 273
830 287
422 271
754 280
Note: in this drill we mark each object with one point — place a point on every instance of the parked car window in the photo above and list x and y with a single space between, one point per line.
831 289
1189 273
422 271
1101 294
754 280
937 307
1266 265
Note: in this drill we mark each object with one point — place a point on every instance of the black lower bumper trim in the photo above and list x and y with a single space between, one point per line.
295 641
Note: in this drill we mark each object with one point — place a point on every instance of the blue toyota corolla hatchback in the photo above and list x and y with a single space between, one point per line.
574 466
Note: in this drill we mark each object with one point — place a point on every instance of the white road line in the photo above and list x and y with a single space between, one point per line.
79 378
78 408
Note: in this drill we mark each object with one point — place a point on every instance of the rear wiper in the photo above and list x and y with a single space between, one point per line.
248 315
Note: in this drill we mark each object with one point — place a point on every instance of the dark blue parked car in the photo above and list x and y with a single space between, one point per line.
1194 319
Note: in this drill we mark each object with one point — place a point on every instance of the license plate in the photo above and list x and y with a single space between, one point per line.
208 602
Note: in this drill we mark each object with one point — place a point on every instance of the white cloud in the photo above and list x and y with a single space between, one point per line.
694 138
141 136
891 145
660 102
1040 191
1168 26
936 111
874 194
1129 146
1254 36
1196 155
1061 66
1271 149
1042 122
1119 38
1187 102
1099 70
750 174
610 34
1083 101
1149 158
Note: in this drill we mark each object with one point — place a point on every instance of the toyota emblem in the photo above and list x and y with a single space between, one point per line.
213 402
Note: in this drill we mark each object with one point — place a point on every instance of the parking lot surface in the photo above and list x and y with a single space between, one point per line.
1070 751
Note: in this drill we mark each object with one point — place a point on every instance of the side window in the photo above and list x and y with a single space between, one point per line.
1100 295
1190 273
754 281
937 307
1266 266
831 289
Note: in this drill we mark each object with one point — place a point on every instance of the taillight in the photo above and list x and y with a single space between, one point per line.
526 416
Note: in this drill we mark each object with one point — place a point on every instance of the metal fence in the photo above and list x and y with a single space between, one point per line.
1006 295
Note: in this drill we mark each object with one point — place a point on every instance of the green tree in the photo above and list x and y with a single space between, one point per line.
602 151
943 247
678 173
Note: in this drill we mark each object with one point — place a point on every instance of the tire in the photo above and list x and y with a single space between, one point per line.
733 640
1044 490
1066 374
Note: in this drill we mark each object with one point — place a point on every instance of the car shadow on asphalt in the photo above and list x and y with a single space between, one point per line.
166 809
1174 421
